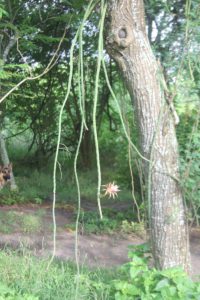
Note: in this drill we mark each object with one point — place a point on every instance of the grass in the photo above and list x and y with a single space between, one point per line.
29 275
35 186
24 277
12 221
31 223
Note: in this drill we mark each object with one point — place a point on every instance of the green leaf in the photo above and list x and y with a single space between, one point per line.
5 74
8 25
47 39
161 284
3 13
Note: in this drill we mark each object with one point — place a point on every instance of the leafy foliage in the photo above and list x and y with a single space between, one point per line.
7 293
113 221
56 283
190 179
133 281
144 283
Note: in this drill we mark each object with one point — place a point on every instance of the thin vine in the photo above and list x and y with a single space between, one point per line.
120 114
83 125
99 60
58 145
50 65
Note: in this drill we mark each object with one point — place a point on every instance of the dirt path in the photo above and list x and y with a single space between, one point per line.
94 250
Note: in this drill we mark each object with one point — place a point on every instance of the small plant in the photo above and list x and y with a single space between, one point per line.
8 197
8 221
5 229
190 177
129 227
31 223
90 222
13 220
40 213
7 293
144 283
38 200
26 275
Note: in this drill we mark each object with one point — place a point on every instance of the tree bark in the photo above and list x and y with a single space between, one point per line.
128 44
3 151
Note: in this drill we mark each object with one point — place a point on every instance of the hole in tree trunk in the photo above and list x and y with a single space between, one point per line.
122 33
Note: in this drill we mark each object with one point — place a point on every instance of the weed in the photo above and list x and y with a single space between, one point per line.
13 221
7 222
31 223
129 227
29 275
40 212
8 293
90 222
134 280
38 200
5 228
147 283
8 197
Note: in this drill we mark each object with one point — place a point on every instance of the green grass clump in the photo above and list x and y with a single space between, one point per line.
7 293
7 221
31 223
14 221
28 275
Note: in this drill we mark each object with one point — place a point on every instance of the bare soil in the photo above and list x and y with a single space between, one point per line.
94 250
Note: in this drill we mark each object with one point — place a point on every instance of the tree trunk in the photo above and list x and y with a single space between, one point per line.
128 44
86 149
3 151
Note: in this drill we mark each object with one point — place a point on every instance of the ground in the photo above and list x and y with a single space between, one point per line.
104 250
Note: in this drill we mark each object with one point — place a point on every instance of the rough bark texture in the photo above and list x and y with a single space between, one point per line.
128 44
3 151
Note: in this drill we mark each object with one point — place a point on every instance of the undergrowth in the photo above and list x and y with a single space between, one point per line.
113 221
16 221
133 281
28 275
37 186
